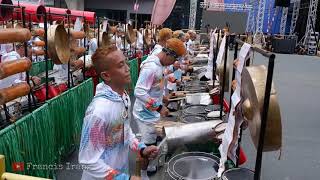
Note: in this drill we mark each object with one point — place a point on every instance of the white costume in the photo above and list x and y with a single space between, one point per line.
149 93
107 136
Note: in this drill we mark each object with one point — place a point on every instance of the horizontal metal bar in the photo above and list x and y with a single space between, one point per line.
10 5
259 50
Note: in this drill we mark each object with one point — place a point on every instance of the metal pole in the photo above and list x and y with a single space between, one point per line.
124 38
143 34
68 18
264 117
98 32
46 53
84 56
224 75
26 55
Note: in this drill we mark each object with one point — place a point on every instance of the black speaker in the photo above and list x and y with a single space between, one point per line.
282 3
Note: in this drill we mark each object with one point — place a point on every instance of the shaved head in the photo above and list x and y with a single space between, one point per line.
102 58
110 65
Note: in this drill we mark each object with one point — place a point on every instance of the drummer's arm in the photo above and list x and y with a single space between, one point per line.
143 86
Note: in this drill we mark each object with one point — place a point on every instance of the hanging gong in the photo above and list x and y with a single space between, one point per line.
131 34
220 74
147 37
58 44
252 91
104 39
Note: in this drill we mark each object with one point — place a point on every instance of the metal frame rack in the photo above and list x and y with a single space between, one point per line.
271 60
12 11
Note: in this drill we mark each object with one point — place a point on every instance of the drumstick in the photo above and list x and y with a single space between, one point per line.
177 99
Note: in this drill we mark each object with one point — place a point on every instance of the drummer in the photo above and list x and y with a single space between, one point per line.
149 91
106 133
164 35
191 42
21 77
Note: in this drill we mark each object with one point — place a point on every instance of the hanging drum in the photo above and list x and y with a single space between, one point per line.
38 43
252 92
38 32
77 34
13 92
58 44
193 166
238 173
13 67
11 35
78 50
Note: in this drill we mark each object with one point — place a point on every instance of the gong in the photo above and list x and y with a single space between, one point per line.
252 93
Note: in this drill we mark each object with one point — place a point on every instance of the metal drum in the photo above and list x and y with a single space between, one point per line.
211 108
194 109
193 118
193 166
238 173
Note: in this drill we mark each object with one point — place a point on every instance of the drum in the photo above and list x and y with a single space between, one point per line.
220 128
77 34
211 108
194 109
238 173
11 35
40 92
192 119
13 67
13 92
193 166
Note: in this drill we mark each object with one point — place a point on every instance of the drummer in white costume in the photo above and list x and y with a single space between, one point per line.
106 134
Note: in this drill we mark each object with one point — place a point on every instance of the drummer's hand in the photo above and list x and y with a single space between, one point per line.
36 80
178 82
135 178
176 65
236 63
164 111
165 99
150 152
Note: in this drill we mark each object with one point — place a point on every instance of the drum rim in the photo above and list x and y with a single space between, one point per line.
195 105
192 115
220 132
172 161
233 169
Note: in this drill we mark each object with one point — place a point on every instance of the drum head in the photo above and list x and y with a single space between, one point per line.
238 173
194 166
211 108
193 118
195 109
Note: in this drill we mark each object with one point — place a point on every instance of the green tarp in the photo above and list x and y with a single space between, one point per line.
40 67
47 134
